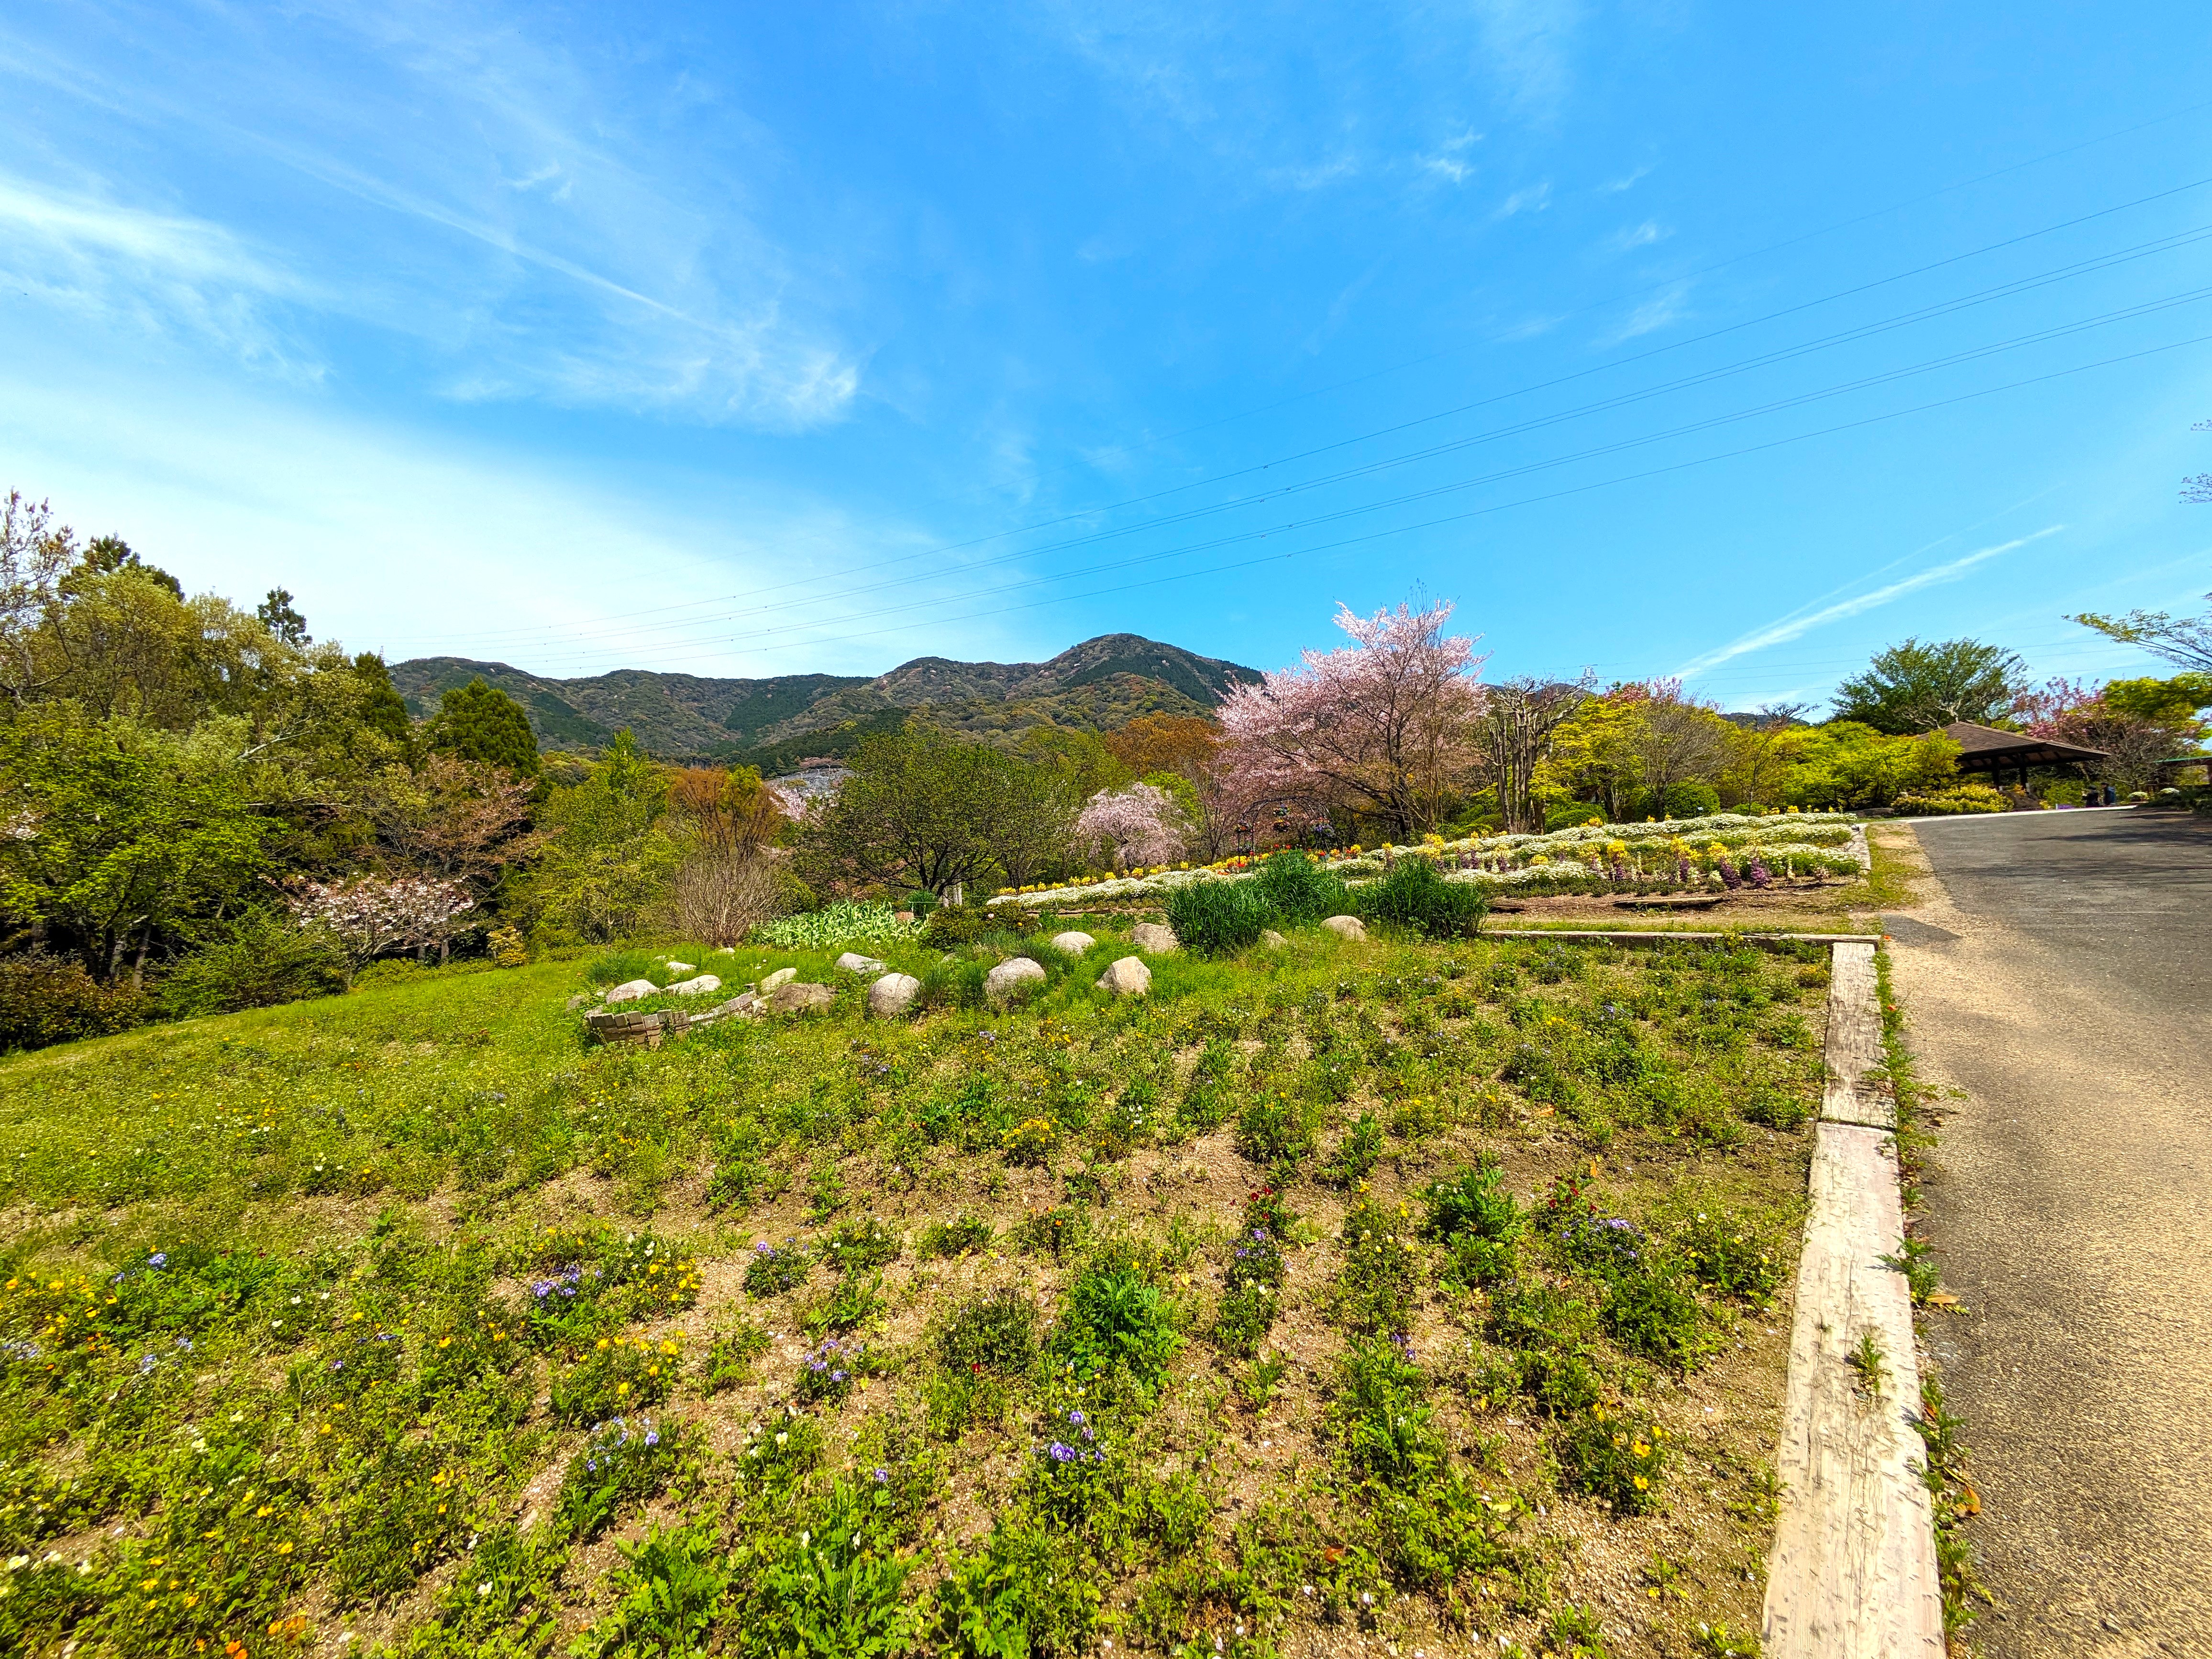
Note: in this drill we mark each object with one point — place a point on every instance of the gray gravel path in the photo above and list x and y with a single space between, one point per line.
2060 973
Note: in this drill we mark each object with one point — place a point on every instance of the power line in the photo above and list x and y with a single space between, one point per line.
1577 490
757 594
1317 521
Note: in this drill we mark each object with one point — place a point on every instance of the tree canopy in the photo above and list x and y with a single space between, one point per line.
1917 687
477 722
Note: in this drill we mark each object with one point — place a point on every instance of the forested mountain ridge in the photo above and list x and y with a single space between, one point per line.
1097 685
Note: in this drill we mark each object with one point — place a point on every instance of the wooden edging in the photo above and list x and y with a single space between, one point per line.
1663 936
1853 1572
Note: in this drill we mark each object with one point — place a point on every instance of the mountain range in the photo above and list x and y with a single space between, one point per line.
773 723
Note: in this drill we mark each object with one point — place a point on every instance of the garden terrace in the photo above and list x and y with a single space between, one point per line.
1428 1291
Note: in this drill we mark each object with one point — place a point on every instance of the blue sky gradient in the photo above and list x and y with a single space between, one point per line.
1665 338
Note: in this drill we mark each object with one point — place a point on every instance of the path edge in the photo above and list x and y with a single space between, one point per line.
1852 1574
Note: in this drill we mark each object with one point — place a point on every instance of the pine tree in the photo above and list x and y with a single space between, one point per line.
477 722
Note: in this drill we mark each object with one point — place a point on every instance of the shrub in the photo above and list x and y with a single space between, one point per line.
961 1236
1380 1274
954 925
256 960
1218 918
832 1591
1616 1455
673 1581
618 1375
994 1332
47 1000
1023 1592
1298 889
858 1245
1967 798
1383 1422
1416 896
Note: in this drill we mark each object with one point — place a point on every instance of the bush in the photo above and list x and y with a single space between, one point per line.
952 924
1967 798
47 1000
1471 1203
1298 889
1415 896
994 1332
1114 1319
1219 918
255 960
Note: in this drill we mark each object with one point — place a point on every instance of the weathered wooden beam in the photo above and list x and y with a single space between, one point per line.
1854 1044
1663 936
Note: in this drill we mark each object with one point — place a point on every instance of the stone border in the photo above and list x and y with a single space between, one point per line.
1853 1572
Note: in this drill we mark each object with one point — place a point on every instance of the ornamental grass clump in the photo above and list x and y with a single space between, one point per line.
1219 918
1415 897
1298 890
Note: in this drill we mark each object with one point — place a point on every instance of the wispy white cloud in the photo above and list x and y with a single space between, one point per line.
1636 236
1657 312
1628 180
1449 160
1534 198
1798 624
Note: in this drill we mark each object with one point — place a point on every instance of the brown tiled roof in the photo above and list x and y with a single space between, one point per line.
1987 742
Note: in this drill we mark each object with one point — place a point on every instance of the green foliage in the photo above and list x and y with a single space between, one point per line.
611 859
1024 1595
1380 1273
832 1590
834 927
996 1332
477 722
1114 1321
860 1245
256 959
1299 891
775 1268
622 1460
1845 763
1356 1153
46 999
1913 688
1218 918
1616 1455
673 1582
962 1235
1415 896
1472 1202
618 1374
951 926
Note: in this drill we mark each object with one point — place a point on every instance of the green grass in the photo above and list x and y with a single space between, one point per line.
1325 1290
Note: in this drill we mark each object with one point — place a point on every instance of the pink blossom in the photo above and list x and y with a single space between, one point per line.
1141 824
370 914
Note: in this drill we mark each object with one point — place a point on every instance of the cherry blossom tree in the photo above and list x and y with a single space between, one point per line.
1383 727
370 915
1141 824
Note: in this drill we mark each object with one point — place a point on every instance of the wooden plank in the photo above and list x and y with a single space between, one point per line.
1854 1042
1853 1573
1663 935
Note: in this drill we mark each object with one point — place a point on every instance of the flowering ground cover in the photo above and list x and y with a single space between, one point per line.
1424 1293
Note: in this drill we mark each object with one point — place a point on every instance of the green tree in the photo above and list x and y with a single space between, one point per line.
921 809
2163 702
106 554
477 722
1845 763
1914 687
382 709
116 832
609 861
2185 640
280 618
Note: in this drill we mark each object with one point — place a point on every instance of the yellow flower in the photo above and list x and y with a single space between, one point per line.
284 1549
1642 1485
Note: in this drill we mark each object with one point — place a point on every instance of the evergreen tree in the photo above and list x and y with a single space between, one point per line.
106 555
477 722
1915 687
382 709
280 618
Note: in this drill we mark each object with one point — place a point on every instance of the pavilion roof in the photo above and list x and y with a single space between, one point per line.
1986 745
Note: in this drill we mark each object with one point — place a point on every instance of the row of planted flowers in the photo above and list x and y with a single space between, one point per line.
1725 849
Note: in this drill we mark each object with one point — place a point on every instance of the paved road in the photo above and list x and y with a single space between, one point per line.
2060 973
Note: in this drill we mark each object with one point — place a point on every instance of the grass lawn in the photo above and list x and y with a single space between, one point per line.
1344 1294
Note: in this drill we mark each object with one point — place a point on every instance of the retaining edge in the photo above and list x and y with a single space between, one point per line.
1660 936
1853 1573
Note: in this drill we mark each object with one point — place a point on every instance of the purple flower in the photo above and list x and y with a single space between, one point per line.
652 1437
1060 1452
882 1476
1076 1418
159 1259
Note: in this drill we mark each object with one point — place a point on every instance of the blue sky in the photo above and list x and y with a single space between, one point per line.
1664 337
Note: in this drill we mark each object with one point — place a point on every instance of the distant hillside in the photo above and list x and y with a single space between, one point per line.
772 723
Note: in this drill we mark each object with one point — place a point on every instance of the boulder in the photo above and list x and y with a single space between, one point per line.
1345 927
1272 939
695 987
780 977
630 990
1074 943
1128 977
892 996
791 999
580 999
1155 939
999 984
852 963
683 967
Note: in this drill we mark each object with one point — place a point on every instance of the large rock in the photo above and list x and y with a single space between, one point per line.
1074 943
1272 939
853 963
776 981
1128 977
790 999
696 987
892 996
1000 983
630 990
683 967
1344 926
1155 939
